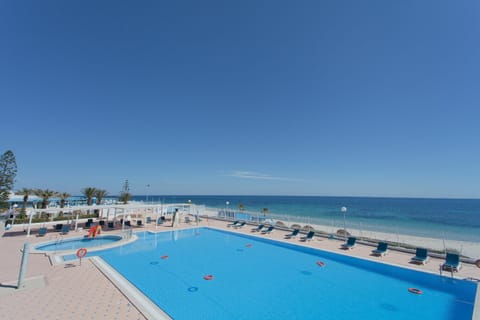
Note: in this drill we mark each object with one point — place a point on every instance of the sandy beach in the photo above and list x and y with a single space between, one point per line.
467 249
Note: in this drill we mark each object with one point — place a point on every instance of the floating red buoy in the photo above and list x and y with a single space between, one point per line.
415 290
320 263
164 257
208 277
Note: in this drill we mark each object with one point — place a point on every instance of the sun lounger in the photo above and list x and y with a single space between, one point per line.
258 228
236 222
101 223
41 232
128 224
149 219
139 223
238 226
58 227
350 244
452 262
269 230
65 229
421 256
293 234
309 236
382 249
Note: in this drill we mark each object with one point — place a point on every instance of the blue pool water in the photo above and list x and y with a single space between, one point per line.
77 243
263 279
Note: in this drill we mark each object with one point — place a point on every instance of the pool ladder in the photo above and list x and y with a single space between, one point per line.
58 241
441 270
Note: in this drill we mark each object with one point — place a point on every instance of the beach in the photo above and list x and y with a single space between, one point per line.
466 248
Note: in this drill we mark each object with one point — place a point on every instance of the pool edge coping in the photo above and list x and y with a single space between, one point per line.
149 309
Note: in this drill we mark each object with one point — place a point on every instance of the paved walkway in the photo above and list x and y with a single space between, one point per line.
70 291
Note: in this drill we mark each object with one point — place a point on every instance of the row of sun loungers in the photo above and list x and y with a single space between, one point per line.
452 260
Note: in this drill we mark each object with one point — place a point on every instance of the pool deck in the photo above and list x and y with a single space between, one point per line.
71 291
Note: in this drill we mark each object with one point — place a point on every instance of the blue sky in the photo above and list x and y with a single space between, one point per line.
373 98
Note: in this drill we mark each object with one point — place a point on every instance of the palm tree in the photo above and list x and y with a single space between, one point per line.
25 192
100 194
45 195
89 192
63 198
125 195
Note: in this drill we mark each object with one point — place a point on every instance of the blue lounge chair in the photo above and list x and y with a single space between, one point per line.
238 226
309 236
149 219
65 229
236 222
258 228
41 232
58 227
293 234
111 225
350 244
269 230
382 249
452 262
139 223
421 256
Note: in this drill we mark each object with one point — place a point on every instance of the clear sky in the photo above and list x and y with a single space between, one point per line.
373 98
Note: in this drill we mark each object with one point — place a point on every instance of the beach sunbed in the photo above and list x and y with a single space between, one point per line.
58 227
101 223
240 225
293 234
128 224
149 219
111 225
258 228
309 236
421 256
452 262
187 219
269 230
382 249
65 229
236 222
41 232
350 244
139 223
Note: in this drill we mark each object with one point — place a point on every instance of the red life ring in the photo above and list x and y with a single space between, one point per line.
208 277
164 257
82 252
415 290
320 263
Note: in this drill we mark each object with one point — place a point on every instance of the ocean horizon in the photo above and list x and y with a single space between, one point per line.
443 218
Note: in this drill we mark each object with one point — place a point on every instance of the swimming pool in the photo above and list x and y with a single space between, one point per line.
264 279
76 243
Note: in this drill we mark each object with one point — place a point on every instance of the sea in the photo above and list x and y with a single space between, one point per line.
455 219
